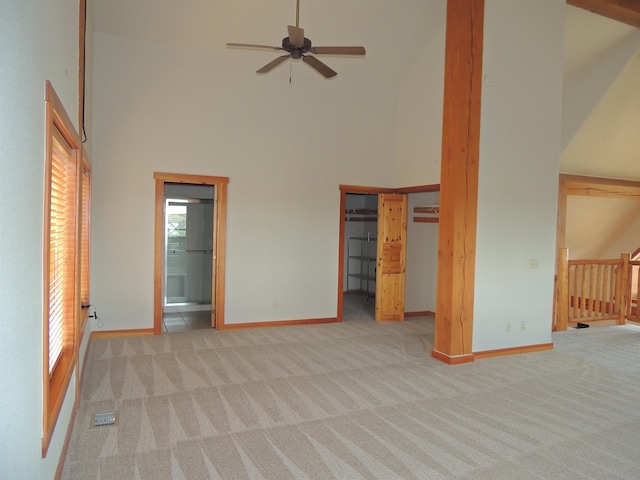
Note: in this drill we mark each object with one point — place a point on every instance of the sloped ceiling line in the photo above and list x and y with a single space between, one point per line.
625 11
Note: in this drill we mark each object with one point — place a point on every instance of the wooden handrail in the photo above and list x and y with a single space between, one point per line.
589 290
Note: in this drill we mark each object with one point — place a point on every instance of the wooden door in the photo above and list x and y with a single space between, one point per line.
392 253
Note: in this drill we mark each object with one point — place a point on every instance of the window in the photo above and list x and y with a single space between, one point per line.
61 260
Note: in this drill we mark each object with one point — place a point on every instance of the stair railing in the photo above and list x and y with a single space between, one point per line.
592 290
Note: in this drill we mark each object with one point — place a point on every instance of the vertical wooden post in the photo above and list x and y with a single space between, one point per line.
459 181
562 295
625 289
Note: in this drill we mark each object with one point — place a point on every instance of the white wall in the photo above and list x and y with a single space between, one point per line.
162 103
601 117
419 106
38 41
422 257
518 178
602 228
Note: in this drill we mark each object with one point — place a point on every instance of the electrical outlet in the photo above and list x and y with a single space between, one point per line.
534 263
508 327
523 325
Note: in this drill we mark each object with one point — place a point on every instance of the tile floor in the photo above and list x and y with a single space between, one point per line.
355 306
183 321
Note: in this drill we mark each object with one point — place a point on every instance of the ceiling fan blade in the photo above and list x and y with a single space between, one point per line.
320 67
296 35
338 50
273 64
251 45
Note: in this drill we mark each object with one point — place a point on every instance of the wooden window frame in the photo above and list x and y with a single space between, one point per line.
56 383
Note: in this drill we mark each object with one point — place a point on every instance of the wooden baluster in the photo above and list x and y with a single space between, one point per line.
600 289
563 289
625 289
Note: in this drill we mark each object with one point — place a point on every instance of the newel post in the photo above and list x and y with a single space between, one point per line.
562 306
625 288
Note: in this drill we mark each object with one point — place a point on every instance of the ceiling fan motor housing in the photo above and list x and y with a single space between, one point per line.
296 52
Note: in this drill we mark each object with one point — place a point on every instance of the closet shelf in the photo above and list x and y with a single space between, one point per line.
361 215
361 263
427 214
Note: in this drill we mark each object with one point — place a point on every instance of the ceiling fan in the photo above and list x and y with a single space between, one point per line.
297 46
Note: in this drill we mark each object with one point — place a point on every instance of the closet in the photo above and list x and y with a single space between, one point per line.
361 232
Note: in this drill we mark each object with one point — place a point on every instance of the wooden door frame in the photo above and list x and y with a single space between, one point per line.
362 190
585 186
219 232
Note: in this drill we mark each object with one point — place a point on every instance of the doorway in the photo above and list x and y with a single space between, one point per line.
189 262
397 278
360 252
189 252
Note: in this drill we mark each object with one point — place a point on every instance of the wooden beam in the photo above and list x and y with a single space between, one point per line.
459 181
625 11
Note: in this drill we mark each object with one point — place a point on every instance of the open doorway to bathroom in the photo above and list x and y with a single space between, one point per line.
189 260
189 252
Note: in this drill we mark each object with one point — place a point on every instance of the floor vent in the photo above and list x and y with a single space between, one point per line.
104 419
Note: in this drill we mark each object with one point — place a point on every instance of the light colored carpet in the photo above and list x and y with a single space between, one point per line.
357 400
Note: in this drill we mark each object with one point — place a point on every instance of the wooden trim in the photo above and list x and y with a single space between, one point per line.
136 332
435 187
280 323
355 189
65 444
430 210
453 360
625 289
625 11
56 390
188 178
581 185
425 313
158 252
459 180
426 219
600 187
221 252
562 291
56 385
82 21
513 351
364 190
561 218
341 240
220 220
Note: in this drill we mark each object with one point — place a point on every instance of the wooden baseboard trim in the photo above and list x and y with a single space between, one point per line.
425 313
67 441
455 360
122 333
513 350
279 323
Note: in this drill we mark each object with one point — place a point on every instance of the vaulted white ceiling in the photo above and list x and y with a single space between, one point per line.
601 109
